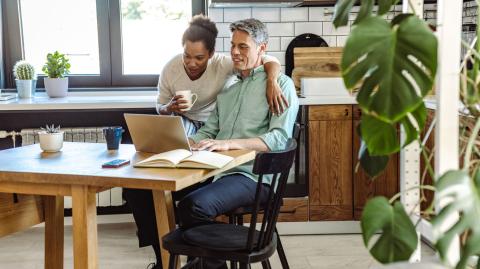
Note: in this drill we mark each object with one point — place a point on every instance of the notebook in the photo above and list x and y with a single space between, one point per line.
186 159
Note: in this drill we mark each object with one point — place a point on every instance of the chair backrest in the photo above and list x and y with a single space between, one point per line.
278 164
296 131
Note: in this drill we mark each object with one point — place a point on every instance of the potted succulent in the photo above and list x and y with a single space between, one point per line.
51 138
56 68
25 79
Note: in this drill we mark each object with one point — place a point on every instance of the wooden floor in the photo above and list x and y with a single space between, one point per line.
118 248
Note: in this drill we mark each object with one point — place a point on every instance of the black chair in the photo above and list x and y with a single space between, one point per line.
233 242
236 217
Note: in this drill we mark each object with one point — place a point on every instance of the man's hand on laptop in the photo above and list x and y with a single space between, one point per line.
211 145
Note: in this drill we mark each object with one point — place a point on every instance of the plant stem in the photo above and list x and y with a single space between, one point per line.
471 141
426 187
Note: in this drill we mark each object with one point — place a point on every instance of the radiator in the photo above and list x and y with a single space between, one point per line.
112 197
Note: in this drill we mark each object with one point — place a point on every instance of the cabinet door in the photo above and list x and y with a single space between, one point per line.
330 162
364 188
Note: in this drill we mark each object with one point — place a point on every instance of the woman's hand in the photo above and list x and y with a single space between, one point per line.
176 104
212 145
277 102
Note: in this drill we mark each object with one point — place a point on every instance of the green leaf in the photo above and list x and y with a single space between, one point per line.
385 5
373 165
342 9
396 64
461 200
380 137
398 239
365 10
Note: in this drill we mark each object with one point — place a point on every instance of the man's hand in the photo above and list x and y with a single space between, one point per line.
175 105
212 145
277 102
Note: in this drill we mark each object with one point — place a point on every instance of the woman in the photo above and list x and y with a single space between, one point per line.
204 73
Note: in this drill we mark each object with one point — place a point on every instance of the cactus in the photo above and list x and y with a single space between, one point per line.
51 129
24 71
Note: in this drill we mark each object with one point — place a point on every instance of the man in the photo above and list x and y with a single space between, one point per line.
241 120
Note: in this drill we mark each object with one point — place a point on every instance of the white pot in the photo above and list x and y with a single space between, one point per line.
51 142
56 87
26 88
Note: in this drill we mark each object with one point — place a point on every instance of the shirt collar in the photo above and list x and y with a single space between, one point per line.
253 72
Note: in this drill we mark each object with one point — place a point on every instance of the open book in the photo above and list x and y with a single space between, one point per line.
186 159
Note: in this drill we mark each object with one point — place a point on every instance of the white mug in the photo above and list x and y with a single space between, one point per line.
188 96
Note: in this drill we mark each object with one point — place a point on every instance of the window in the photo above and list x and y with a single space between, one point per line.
110 43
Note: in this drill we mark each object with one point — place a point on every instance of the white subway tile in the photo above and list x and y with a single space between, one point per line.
308 27
331 40
227 45
329 29
341 41
316 14
266 14
294 14
235 14
223 29
215 14
281 29
285 41
279 55
219 44
273 44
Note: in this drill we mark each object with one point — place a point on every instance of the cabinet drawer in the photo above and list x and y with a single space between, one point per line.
330 112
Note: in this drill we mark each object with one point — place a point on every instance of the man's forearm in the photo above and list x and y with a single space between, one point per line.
256 144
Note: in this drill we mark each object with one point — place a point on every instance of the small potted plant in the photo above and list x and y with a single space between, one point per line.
56 68
25 79
51 138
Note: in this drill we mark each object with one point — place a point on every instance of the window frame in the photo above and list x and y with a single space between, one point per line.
109 42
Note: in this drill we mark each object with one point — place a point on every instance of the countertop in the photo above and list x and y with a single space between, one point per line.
114 100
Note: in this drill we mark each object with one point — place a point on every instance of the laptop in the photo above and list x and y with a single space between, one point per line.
156 133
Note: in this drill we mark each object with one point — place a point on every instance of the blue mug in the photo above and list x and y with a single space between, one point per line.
113 135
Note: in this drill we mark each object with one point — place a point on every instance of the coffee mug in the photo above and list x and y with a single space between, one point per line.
188 96
113 135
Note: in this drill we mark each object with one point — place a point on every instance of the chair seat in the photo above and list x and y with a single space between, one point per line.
223 237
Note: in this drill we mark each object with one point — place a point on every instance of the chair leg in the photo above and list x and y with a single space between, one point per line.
240 219
172 262
244 266
233 265
281 252
266 264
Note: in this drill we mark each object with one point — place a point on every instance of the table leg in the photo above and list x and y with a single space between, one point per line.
54 233
165 219
84 213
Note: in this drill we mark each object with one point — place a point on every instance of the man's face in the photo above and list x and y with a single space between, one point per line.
246 54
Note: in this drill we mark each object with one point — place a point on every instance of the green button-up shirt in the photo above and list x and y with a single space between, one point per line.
242 112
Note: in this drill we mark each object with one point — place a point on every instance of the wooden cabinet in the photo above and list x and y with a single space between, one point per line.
330 162
336 190
364 188
20 212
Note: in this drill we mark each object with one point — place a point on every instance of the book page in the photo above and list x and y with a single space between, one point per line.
211 160
172 156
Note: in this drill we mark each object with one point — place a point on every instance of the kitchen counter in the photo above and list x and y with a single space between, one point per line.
115 100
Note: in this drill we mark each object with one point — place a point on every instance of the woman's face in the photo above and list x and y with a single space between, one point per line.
195 58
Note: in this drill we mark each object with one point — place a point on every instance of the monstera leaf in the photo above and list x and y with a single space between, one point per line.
462 196
343 8
398 239
394 62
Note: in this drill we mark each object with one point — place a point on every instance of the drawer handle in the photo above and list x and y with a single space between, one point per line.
346 112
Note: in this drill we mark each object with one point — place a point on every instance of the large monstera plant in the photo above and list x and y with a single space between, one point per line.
395 64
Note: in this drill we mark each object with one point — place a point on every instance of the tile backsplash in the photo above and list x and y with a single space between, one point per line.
285 23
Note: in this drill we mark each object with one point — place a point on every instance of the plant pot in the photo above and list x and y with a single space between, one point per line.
51 142
56 87
26 88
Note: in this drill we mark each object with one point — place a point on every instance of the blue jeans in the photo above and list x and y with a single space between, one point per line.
202 205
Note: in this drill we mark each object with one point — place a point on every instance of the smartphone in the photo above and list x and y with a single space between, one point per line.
115 163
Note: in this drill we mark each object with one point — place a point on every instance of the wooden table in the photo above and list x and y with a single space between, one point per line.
76 171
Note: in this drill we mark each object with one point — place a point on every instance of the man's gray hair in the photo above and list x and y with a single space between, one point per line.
255 28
